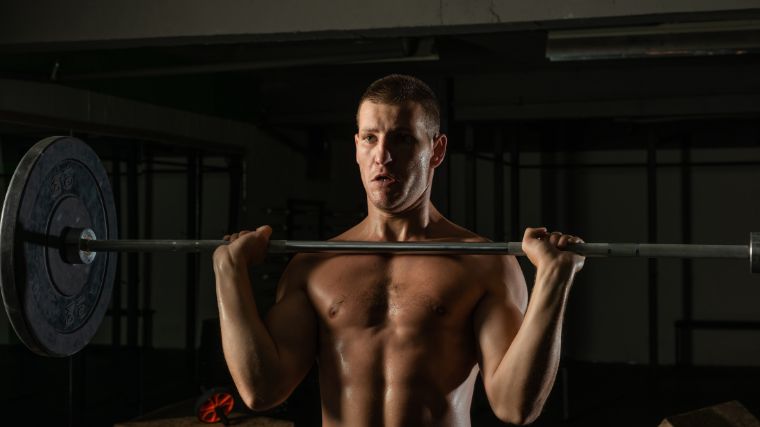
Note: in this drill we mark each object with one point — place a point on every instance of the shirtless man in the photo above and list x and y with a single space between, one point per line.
399 339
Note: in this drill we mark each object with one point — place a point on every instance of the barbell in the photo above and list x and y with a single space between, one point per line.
58 245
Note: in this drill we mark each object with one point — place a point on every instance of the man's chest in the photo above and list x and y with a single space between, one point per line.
414 291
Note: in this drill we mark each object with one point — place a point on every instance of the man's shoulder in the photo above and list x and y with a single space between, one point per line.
445 229
489 264
303 262
306 261
352 233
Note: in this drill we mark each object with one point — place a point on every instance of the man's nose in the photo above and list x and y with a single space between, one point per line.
382 154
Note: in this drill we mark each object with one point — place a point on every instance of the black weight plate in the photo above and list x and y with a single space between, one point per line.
54 307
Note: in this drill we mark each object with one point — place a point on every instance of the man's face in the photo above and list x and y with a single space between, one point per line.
396 155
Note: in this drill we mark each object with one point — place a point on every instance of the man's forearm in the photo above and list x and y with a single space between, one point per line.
525 376
249 350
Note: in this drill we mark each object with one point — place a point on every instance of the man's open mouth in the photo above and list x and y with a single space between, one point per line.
384 178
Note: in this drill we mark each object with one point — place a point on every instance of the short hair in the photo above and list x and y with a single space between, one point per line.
397 89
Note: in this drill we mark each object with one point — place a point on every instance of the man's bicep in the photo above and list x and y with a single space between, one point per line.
499 315
515 283
292 324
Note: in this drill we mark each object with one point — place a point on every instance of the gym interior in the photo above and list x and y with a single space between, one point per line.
617 122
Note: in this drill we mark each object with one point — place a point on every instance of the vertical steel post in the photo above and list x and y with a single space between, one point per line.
194 186
133 277
687 302
653 265
133 260
471 185
498 184
549 141
443 172
235 195
514 160
147 279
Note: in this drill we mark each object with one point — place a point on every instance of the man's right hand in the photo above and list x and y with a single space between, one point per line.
545 249
246 248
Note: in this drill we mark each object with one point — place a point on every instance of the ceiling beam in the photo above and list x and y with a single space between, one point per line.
82 24
67 109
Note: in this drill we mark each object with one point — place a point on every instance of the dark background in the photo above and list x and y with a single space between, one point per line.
619 123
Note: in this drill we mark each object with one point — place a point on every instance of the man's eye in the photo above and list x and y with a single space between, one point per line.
369 138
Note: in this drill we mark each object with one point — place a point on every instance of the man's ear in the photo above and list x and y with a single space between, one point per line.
439 150
356 146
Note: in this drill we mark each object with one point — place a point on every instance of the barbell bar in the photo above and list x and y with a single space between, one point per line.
644 250
58 242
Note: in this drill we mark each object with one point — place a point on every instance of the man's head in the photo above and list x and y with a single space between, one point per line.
398 89
398 142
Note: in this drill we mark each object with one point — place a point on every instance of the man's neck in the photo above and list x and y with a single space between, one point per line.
411 224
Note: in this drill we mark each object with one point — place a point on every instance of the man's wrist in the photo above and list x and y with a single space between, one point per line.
554 279
227 265
556 270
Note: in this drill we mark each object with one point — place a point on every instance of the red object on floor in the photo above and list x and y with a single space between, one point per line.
214 405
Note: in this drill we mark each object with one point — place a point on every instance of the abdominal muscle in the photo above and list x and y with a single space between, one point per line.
392 376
